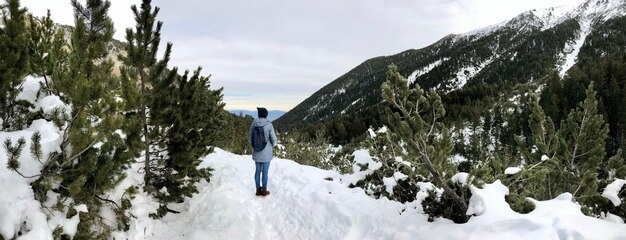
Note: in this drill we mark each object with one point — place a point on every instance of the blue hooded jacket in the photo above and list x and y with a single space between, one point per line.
266 154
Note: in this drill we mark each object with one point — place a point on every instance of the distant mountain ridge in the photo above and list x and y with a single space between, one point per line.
272 115
522 50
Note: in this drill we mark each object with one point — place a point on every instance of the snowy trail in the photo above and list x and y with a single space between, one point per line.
302 205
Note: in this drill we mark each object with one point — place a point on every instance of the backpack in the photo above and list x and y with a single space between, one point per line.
258 139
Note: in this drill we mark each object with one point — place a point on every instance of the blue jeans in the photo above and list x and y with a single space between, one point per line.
261 167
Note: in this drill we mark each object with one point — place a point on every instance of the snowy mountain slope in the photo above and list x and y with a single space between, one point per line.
303 205
524 49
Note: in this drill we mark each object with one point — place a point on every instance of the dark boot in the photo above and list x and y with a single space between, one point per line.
265 192
259 191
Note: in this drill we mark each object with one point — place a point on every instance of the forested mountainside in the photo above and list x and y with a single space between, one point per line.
476 70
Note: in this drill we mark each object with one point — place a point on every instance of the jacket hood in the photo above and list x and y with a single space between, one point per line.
262 112
260 122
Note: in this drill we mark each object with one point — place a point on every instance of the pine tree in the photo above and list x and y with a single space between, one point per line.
413 116
233 137
582 149
622 121
306 149
533 180
550 99
178 117
616 169
383 149
47 47
144 70
194 116
94 151
13 64
615 108
571 159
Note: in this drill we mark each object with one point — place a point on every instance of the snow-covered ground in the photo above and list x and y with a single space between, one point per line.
304 204
310 203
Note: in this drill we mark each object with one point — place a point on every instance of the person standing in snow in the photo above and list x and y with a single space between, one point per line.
262 137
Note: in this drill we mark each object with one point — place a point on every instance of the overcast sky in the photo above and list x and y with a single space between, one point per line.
276 53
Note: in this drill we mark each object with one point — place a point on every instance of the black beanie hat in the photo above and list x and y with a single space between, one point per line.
262 112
